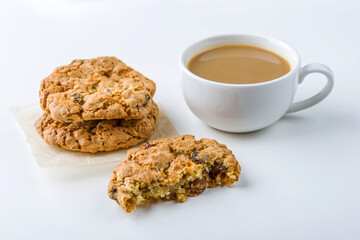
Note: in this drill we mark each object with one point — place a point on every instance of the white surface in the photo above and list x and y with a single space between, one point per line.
300 177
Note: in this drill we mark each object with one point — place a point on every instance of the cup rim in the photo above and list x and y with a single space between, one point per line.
284 45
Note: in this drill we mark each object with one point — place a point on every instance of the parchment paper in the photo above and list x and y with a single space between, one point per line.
51 156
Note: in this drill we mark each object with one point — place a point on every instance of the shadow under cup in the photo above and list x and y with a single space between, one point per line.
239 107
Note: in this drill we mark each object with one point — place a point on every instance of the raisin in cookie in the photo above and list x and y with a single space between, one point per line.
97 135
171 169
100 88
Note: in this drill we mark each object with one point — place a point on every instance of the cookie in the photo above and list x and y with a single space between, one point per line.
171 169
99 88
97 135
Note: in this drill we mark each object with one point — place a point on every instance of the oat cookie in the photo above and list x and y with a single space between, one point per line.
99 88
171 169
97 135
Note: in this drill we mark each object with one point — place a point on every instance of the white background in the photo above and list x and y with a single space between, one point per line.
300 177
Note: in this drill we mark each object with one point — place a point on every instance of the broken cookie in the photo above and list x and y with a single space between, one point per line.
171 169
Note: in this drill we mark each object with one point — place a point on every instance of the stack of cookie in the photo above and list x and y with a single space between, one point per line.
96 105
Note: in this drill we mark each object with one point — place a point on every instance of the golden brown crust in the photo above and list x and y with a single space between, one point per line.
171 169
97 135
99 88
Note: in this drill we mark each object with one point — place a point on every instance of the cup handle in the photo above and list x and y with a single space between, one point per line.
304 71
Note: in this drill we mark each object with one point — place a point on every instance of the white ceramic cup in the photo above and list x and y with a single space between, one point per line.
248 107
